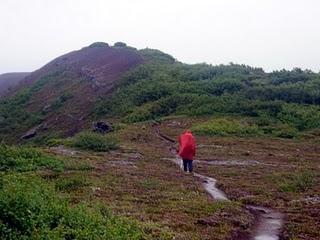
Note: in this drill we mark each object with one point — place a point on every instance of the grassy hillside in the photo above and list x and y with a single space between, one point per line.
61 94
106 82
31 207
280 103
257 133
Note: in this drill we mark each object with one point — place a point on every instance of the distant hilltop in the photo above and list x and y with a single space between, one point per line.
65 90
123 84
10 80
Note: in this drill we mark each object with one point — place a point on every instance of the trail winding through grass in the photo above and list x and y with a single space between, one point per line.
267 224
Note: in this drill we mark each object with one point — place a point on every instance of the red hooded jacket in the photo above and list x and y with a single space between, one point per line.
187 146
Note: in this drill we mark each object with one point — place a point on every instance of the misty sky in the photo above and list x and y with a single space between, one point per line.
272 34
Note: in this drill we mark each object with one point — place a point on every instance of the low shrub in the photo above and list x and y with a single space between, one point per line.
31 209
299 182
67 184
302 117
24 159
226 127
285 131
94 142
53 142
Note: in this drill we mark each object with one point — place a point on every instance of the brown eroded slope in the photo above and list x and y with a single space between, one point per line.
65 89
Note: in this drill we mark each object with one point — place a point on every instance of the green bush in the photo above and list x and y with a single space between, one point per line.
285 131
15 118
26 159
53 142
67 184
299 182
226 127
163 88
299 116
140 114
31 209
94 142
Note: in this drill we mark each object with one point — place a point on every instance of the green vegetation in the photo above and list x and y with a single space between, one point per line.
14 116
224 100
30 208
58 102
244 126
298 182
225 127
24 159
94 142
282 103
69 184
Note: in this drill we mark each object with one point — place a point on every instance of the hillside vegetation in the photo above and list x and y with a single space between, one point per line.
62 93
257 133
281 103
132 85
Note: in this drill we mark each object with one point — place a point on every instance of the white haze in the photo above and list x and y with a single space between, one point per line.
273 34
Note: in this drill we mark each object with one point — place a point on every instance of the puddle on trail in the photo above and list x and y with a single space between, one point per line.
209 185
309 200
312 200
224 162
232 162
268 225
64 151
118 163
209 146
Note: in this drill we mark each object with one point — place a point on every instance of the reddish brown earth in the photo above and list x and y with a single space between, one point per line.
80 77
140 181
282 161
102 65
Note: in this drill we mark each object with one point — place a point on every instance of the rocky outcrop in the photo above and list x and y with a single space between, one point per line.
30 134
33 131
102 127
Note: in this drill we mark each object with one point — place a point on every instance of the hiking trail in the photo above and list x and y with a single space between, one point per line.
267 224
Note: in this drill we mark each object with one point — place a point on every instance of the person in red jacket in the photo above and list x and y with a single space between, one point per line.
187 150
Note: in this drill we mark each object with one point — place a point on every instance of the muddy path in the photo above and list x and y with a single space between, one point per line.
267 223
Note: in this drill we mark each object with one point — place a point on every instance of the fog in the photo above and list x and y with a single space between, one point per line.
273 34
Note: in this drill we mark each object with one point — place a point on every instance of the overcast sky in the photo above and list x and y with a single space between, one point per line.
273 34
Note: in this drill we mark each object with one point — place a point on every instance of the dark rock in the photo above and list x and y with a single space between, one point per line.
46 108
208 222
120 44
44 127
102 127
99 44
30 134
33 132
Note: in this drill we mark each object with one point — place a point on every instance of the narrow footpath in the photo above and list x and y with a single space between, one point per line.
267 224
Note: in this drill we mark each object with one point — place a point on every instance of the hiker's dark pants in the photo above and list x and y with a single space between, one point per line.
187 165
